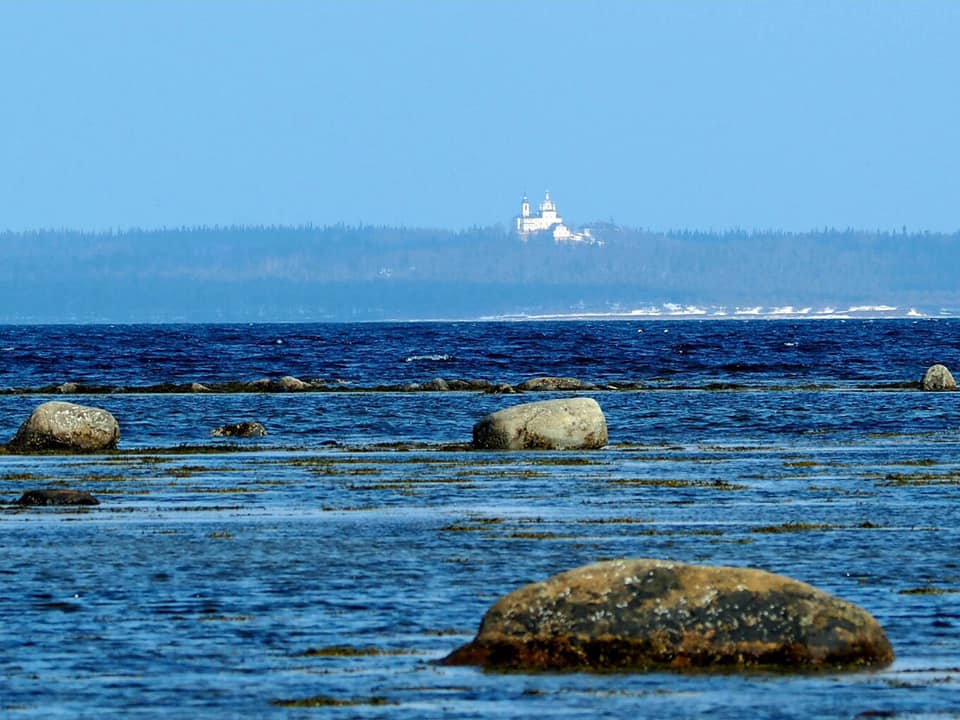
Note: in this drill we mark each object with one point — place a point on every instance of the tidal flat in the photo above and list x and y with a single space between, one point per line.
274 581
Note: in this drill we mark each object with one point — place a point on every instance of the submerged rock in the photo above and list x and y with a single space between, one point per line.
569 424
938 378
240 430
461 384
437 384
32 498
651 614
60 425
544 384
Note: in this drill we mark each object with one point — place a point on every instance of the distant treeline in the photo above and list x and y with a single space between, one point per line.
341 272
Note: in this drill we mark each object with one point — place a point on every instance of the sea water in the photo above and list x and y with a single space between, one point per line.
322 569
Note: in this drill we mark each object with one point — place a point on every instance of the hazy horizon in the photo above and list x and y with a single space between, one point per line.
308 160
381 273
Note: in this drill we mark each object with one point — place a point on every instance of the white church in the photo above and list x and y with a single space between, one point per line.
547 220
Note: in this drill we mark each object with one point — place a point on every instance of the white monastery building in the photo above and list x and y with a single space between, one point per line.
547 220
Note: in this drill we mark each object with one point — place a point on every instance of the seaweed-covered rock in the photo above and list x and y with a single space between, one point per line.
937 378
60 425
652 614
240 430
569 424
32 498
546 384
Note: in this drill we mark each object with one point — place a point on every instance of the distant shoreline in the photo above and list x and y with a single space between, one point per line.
864 313
518 318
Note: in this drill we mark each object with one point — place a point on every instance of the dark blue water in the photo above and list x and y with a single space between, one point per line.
853 352
196 586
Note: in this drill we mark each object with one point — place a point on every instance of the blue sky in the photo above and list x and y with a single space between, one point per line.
793 115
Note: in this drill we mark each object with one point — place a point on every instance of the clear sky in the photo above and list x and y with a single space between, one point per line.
709 114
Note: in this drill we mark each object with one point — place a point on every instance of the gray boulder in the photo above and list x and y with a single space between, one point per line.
547 384
568 424
657 615
60 425
938 378
240 430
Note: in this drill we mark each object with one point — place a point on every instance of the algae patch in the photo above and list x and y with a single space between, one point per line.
320 701
340 651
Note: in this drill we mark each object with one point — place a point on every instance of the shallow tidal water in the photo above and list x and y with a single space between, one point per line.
293 577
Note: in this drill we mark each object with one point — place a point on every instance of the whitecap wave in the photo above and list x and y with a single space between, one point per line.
871 308
790 310
428 358
682 310
676 311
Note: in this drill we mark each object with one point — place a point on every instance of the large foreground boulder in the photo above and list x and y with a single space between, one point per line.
938 378
64 426
571 424
652 614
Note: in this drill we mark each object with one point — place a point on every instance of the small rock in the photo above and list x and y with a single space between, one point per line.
288 383
569 424
240 430
199 388
546 384
261 385
436 385
68 388
58 425
501 389
938 378
657 615
56 497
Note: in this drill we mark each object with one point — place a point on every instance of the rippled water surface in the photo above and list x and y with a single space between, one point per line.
319 565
